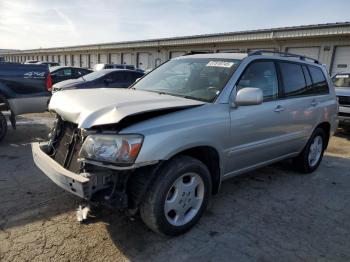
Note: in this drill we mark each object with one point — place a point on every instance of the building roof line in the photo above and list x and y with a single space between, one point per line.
158 41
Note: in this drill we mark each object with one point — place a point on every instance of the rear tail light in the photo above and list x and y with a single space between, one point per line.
49 82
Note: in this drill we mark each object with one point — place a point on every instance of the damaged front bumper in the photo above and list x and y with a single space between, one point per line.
77 184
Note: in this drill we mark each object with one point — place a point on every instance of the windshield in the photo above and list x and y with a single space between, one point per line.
94 75
196 78
341 80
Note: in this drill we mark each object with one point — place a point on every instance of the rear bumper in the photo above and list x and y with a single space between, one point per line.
76 184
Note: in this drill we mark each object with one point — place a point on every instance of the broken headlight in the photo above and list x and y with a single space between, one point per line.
116 149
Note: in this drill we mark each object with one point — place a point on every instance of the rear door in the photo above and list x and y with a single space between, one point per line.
300 103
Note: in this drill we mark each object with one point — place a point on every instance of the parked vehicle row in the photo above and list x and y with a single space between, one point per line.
163 146
26 88
105 78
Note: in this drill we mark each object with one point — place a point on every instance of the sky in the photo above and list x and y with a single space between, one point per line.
27 24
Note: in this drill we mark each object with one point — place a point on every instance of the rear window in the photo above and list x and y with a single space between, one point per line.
319 81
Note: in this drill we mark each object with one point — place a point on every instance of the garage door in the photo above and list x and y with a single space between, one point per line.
127 59
312 52
62 62
93 60
76 61
177 54
143 61
84 61
68 60
115 58
341 60
103 59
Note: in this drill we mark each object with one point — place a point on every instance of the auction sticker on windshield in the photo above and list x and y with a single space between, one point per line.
220 64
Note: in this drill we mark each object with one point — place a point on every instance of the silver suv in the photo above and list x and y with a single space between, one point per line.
165 145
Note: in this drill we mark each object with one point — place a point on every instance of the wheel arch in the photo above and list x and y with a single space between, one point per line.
326 127
5 101
210 157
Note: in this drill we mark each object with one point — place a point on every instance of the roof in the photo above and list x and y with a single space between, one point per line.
54 68
309 31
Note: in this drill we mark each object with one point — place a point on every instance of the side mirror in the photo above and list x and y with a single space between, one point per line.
249 96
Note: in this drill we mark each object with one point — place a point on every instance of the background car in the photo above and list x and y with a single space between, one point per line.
98 67
111 78
48 63
61 73
24 88
341 83
31 62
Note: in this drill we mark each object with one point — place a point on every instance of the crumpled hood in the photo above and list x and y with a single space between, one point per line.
344 91
68 83
93 107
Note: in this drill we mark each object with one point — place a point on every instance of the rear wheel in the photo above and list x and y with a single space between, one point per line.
178 197
311 156
3 126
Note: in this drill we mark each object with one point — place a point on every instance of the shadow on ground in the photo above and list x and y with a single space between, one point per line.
269 214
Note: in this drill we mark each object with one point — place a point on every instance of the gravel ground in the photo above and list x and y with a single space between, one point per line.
272 214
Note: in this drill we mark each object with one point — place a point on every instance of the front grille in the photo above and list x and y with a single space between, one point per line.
344 100
344 114
67 145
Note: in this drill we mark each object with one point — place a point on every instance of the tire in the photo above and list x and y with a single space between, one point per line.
3 126
174 186
306 162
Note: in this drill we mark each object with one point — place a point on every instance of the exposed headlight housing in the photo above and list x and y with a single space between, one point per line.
115 149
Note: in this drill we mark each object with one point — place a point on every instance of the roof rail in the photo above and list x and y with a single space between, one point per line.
283 54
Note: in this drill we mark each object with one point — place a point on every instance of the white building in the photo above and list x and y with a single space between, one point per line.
329 43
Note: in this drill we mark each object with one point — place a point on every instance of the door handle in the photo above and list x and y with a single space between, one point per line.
314 102
279 108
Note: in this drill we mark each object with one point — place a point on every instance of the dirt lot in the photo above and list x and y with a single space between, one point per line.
272 214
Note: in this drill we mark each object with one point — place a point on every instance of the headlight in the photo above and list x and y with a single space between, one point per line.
117 149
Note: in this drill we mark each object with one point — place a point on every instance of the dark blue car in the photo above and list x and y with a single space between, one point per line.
106 78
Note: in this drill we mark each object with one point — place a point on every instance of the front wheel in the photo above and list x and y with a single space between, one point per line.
311 156
3 126
179 196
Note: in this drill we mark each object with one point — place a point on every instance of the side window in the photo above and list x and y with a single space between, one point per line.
307 76
261 75
319 81
118 77
67 72
293 79
64 72
81 72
